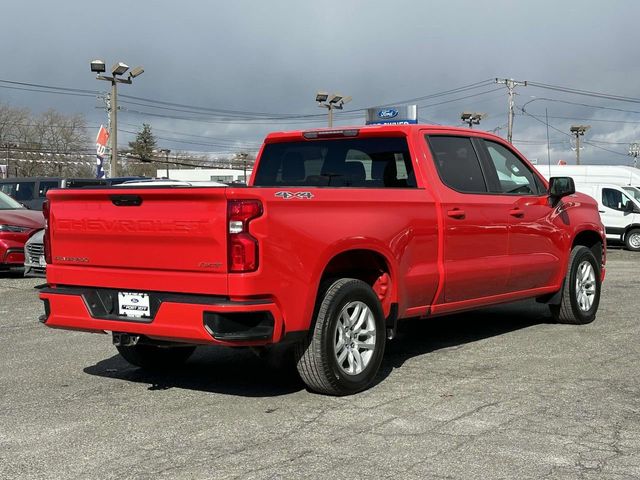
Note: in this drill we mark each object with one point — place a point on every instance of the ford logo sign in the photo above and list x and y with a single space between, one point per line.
388 113
135 300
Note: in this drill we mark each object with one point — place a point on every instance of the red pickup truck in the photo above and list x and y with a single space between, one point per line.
339 234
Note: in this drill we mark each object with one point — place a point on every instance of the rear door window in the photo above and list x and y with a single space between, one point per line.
361 163
457 163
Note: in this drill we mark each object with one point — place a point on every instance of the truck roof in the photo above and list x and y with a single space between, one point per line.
372 130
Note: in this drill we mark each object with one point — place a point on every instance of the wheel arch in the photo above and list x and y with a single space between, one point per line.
367 264
628 228
593 240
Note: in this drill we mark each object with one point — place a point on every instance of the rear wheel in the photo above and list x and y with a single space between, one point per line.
153 357
344 351
581 289
632 240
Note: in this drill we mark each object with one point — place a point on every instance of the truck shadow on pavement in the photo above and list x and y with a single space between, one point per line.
241 372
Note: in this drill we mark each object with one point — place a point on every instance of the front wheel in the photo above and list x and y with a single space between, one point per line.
581 289
632 240
344 351
155 358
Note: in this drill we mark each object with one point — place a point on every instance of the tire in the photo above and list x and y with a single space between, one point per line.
155 358
632 240
581 289
344 349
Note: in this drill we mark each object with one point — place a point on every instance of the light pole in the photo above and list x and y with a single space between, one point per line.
472 119
578 131
98 67
634 151
166 152
331 101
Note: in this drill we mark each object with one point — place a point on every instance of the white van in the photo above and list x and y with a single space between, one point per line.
619 211
620 175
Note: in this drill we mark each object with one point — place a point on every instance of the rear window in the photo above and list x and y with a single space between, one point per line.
363 163
457 163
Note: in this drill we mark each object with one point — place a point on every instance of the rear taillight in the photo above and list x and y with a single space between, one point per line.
243 247
46 240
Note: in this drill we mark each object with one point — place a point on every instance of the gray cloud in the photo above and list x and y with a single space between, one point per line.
273 56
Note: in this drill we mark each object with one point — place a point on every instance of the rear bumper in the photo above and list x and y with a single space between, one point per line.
197 319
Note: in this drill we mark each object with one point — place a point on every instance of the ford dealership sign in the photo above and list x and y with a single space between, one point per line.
388 113
397 115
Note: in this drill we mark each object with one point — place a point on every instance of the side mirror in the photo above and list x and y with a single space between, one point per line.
561 187
630 207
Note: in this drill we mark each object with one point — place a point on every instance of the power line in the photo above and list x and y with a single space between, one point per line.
51 87
46 91
588 93
568 135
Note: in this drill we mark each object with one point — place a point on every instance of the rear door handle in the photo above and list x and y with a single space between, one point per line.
456 213
516 212
601 211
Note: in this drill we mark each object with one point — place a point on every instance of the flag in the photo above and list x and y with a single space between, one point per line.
101 148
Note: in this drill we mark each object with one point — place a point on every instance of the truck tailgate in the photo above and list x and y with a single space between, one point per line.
173 234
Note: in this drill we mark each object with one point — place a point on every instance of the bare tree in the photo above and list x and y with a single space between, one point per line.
48 144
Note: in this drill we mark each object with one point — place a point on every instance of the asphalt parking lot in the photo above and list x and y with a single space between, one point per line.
497 393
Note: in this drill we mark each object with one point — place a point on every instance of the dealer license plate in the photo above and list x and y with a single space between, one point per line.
134 305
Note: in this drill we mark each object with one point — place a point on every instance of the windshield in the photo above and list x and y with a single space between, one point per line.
634 192
8 203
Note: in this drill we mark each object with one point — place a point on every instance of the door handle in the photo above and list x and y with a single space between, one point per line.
456 213
516 212
601 211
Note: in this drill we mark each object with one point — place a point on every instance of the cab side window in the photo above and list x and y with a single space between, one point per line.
457 163
514 177
614 199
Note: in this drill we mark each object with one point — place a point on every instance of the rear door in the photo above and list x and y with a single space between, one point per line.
475 222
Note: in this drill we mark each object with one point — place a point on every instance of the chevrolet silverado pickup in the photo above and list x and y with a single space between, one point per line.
339 234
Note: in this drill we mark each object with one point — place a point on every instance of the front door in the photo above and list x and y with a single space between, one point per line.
534 239
612 208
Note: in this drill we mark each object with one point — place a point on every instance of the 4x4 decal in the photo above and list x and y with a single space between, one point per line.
288 195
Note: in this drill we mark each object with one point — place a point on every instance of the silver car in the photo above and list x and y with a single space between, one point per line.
34 262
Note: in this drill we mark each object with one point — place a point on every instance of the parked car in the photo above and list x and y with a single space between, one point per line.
35 264
31 191
17 224
339 234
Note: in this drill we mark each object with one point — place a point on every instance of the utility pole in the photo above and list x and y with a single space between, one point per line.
578 131
98 67
472 119
634 151
511 85
9 146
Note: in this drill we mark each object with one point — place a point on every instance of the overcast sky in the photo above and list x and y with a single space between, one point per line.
272 56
